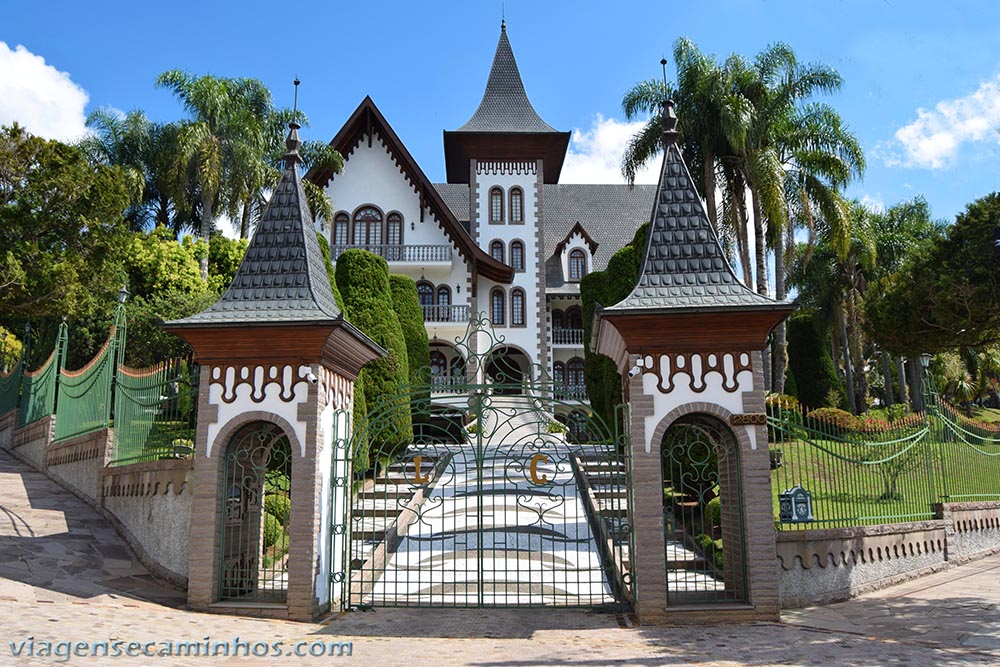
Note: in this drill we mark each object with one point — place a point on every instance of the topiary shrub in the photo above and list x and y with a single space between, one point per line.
273 531
406 303
713 512
324 247
363 279
712 549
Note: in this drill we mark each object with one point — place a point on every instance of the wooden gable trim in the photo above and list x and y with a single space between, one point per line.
368 120
577 229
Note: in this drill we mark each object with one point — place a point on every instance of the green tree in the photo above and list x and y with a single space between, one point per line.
62 234
947 294
809 359
224 257
363 280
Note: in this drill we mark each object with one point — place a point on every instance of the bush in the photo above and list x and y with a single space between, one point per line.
278 506
406 303
363 279
713 512
324 247
273 531
841 420
712 549
556 427
784 400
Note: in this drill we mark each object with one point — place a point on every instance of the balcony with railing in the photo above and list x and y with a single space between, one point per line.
567 337
447 384
571 392
444 314
401 253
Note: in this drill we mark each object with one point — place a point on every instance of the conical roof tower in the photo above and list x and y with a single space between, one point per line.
505 126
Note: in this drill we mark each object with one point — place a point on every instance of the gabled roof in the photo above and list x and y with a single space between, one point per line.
505 126
282 277
577 229
505 106
684 267
366 121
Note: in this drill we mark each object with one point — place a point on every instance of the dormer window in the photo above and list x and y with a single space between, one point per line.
577 264
516 206
496 206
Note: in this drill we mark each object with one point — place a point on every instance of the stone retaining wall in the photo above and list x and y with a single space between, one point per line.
77 463
823 566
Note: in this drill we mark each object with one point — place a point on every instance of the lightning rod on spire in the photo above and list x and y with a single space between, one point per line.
295 102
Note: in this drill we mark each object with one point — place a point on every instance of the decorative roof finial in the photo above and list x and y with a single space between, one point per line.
292 142
669 117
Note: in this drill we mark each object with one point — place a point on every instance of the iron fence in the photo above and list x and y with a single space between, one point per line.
10 387
38 387
155 412
832 470
84 395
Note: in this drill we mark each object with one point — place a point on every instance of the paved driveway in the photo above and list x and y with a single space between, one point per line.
65 576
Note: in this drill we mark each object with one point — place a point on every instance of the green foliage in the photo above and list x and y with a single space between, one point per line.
363 279
278 505
62 234
791 386
555 427
273 531
406 303
840 421
713 512
10 349
608 287
712 549
158 263
324 247
148 343
810 362
224 257
947 296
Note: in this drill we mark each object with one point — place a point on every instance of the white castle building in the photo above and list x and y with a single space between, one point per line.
502 236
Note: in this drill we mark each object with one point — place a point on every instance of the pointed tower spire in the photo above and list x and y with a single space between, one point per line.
505 124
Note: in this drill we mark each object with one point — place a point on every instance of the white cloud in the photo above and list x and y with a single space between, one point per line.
874 204
595 155
39 97
933 140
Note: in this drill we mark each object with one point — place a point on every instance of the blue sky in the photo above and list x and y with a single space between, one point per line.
922 79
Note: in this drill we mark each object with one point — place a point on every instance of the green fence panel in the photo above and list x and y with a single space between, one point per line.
85 395
856 474
10 388
969 452
38 391
155 412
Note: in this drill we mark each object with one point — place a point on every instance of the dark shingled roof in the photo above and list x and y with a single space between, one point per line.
456 196
282 277
505 106
684 266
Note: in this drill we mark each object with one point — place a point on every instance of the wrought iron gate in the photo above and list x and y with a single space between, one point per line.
493 500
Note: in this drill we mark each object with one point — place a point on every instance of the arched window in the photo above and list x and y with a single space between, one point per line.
559 373
443 295
516 206
557 319
577 264
394 229
496 250
574 372
457 366
497 307
425 292
574 318
439 363
517 307
341 229
496 206
517 255
367 226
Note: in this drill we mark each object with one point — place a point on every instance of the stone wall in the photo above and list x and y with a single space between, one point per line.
151 506
77 463
823 566
30 441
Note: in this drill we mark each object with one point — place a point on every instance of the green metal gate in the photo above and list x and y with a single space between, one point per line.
255 515
493 501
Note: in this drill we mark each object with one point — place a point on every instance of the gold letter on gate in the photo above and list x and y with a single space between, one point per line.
535 460
417 477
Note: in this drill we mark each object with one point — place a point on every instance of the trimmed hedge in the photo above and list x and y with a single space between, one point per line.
363 279
608 287
406 303
324 247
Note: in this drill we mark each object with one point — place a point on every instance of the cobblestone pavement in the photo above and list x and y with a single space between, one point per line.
66 577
